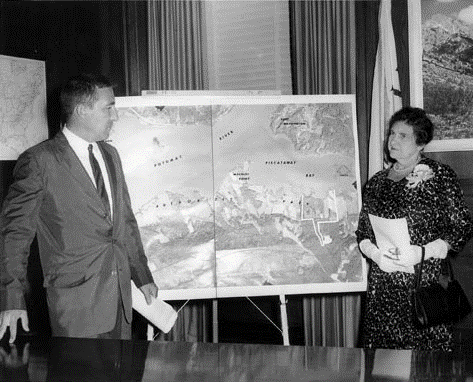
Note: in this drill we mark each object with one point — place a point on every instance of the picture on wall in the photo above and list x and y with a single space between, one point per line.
441 34
23 120
244 196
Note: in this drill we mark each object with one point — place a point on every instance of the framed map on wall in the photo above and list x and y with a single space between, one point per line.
23 121
441 43
244 195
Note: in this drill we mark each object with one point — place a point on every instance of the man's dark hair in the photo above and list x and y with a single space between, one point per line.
81 89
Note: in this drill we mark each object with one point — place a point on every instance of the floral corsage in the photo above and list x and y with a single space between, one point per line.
421 173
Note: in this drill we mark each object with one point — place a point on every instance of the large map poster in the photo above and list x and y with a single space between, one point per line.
244 196
23 121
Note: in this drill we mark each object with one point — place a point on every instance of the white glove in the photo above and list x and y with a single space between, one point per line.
384 260
437 249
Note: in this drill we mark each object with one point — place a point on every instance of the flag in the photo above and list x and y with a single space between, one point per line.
385 96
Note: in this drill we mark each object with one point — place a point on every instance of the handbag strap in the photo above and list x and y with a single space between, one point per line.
448 265
419 271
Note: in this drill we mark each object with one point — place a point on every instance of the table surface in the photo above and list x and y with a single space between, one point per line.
72 359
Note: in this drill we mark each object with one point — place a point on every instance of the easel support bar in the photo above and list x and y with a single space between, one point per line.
285 326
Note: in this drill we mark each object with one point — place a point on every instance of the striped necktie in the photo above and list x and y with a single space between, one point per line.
99 180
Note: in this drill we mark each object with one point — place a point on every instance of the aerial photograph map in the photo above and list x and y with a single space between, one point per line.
239 196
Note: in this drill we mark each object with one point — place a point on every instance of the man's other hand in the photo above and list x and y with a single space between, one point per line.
9 318
149 290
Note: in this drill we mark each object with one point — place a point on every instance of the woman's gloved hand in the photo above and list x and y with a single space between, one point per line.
437 249
386 261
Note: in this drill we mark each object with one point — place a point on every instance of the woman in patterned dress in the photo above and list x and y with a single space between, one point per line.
427 194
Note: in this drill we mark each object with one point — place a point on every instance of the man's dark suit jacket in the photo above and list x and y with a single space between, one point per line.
86 258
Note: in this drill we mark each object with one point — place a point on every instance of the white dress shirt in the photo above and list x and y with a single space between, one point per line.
81 148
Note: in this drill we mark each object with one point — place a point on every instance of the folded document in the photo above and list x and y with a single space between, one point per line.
391 233
159 313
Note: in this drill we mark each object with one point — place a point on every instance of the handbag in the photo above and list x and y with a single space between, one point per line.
439 303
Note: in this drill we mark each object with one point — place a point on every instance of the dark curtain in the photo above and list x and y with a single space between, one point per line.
135 37
367 32
399 16
322 46
367 36
176 46
321 66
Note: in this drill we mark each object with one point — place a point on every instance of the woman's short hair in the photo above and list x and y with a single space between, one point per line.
417 118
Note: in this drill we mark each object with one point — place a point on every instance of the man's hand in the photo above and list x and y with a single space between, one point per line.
149 290
9 318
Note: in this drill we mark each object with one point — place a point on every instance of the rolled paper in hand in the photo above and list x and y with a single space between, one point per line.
159 313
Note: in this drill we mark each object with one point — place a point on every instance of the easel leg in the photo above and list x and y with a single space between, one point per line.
285 326
215 320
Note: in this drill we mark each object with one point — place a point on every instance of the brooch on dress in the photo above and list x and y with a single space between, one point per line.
421 173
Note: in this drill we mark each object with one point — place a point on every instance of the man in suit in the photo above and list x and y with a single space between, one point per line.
70 192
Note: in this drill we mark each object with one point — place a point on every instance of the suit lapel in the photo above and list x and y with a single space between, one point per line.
69 160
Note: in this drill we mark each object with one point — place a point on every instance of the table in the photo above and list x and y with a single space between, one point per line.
35 358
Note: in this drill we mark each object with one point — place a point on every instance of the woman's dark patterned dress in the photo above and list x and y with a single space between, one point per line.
434 208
